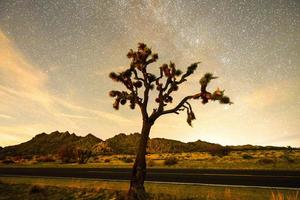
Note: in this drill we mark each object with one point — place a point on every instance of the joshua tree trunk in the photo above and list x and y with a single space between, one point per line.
137 190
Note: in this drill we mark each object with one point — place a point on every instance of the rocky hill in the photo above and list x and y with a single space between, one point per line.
127 144
43 144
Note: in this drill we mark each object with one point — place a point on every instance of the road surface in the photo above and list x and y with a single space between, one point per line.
278 178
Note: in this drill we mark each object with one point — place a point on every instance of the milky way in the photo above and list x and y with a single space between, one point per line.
71 46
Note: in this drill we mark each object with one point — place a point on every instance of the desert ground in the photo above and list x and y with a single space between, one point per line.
53 188
15 187
251 159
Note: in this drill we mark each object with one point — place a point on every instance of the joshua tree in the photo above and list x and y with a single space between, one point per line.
139 82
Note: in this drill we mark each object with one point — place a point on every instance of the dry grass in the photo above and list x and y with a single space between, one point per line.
91 189
281 196
235 160
268 159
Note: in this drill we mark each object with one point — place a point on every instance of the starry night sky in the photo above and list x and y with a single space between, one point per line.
55 57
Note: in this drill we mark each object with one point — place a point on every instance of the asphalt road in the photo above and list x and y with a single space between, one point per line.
278 178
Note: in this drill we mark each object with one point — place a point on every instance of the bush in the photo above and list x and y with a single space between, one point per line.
8 161
219 151
107 160
67 154
171 161
2 157
17 158
247 156
151 163
289 149
35 189
188 156
83 155
266 161
127 159
45 159
288 159
94 158
28 157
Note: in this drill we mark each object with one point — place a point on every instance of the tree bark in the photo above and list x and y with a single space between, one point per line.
137 190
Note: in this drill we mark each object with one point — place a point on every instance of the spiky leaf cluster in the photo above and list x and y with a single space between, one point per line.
137 78
142 57
122 98
217 95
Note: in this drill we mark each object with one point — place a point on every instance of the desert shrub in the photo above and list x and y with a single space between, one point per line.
17 158
287 158
107 160
247 156
83 155
35 189
127 159
45 159
2 157
27 157
266 161
289 149
188 156
219 151
200 159
287 155
151 163
67 154
95 158
171 161
8 161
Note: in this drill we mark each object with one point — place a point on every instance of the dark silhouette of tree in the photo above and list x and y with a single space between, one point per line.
139 82
70 153
83 155
219 150
66 153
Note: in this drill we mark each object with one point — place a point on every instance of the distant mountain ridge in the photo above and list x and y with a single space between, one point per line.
127 144
43 144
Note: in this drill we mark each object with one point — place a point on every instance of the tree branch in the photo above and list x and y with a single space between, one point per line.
136 75
176 108
146 96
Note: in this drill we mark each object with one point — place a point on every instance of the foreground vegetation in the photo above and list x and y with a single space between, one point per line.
53 188
250 159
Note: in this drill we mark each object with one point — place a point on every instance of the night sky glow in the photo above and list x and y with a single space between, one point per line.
55 57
